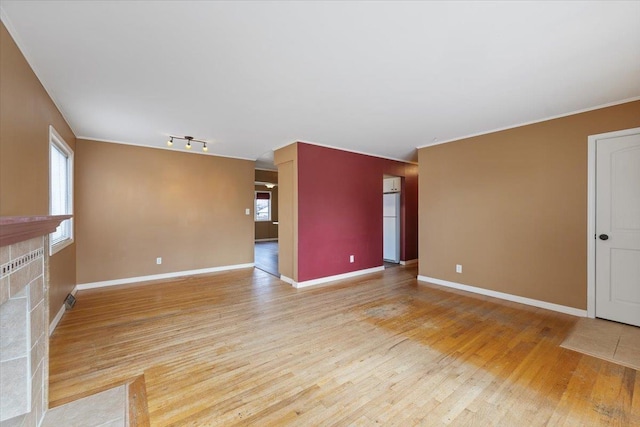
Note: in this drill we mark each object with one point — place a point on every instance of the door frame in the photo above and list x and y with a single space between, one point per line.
398 203
591 213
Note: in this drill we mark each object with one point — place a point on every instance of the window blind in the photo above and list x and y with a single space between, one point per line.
263 196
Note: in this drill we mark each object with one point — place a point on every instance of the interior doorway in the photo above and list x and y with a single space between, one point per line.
391 226
266 221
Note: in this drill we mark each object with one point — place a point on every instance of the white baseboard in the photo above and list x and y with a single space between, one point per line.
509 297
54 323
321 280
288 280
409 262
93 285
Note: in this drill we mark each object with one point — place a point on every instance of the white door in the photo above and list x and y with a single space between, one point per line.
618 228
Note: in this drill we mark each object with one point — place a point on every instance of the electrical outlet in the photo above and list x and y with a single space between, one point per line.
159 260
458 268
247 211
351 258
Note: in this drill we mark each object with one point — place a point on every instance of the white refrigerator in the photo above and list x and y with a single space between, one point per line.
391 227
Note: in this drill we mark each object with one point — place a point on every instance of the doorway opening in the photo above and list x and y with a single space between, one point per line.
266 221
391 220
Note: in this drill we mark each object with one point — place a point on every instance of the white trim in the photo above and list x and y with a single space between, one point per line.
409 262
286 144
509 297
58 317
559 116
208 153
321 280
115 282
56 320
347 150
591 227
591 213
358 152
275 239
61 145
288 280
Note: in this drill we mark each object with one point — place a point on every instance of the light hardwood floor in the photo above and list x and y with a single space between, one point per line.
244 348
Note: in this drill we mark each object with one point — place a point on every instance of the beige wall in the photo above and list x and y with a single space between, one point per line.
26 111
511 207
135 204
286 159
267 229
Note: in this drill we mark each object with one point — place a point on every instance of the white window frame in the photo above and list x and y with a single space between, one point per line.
255 206
55 140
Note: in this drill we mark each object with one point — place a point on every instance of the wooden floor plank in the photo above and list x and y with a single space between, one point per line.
137 403
243 348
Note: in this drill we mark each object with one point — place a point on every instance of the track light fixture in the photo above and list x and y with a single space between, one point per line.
189 140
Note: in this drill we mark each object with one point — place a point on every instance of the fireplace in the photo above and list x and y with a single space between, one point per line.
24 314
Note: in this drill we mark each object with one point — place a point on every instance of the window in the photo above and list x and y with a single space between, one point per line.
60 190
263 206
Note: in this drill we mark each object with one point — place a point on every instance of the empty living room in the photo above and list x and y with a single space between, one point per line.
319 213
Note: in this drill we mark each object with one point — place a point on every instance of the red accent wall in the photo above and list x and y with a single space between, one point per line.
340 210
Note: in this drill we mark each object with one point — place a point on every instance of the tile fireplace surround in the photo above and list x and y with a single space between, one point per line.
24 314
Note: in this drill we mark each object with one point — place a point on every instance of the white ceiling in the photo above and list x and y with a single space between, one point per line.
374 77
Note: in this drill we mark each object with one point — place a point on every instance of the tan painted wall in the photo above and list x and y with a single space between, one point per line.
267 229
135 204
26 111
511 207
286 159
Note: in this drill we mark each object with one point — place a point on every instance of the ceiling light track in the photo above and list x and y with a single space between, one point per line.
189 140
